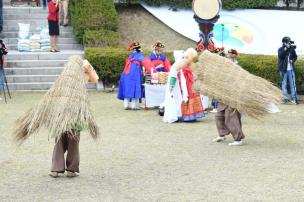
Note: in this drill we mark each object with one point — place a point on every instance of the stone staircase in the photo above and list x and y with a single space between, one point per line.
35 71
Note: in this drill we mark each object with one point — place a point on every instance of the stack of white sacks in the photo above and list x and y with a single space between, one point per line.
45 43
23 37
35 43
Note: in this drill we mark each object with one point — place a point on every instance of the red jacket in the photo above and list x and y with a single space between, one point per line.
53 12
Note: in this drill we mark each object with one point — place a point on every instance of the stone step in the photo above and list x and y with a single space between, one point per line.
31 78
60 46
62 55
40 16
61 40
36 28
38 86
34 63
15 34
34 71
32 22
23 10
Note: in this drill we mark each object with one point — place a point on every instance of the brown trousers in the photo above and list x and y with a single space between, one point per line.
69 143
228 120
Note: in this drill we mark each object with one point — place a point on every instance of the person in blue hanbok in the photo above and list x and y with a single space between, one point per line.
130 84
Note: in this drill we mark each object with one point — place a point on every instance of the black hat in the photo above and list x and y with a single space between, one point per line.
286 39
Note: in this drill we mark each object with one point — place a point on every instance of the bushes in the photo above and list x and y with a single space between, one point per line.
267 67
101 38
227 4
93 15
109 63
234 4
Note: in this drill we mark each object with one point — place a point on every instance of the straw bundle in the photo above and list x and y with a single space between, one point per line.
64 107
221 79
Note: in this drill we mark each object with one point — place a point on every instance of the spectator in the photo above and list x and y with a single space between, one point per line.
3 51
287 57
1 19
53 20
43 3
65 9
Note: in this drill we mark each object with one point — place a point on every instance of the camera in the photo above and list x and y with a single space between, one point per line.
288 43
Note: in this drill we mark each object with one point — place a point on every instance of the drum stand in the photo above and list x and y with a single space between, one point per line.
7 88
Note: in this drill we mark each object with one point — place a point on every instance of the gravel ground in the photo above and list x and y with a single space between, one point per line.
139 158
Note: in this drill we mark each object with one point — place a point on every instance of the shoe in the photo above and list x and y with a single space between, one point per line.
135 108
219 139
127 108
65 25
284 101
236 143
72 174
0 98
53 174
214 111
57 50
294 102
53 50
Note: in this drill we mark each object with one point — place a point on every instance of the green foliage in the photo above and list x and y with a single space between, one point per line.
267 67
93 15
234 4
227 4
101 38
109 64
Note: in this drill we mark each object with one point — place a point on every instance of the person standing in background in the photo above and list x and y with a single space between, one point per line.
53 21
43 3
287 57
1 19
3 51
65 9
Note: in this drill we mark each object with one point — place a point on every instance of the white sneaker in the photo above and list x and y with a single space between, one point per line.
53 174
219 139
0 98
214 111
72 174
236 143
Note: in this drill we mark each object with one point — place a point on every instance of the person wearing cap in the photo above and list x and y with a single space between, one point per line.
130 84
287 57
159 60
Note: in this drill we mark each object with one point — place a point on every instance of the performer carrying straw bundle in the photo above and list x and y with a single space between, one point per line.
64 110
236 90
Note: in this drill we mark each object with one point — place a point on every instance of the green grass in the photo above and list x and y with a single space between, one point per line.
140 158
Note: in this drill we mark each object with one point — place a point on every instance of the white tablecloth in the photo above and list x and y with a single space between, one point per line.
155 94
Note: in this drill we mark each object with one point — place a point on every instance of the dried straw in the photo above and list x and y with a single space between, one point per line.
65 107
221 79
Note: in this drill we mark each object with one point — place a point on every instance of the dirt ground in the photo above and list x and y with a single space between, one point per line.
138 24
140 158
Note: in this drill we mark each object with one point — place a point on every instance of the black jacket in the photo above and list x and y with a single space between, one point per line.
283 58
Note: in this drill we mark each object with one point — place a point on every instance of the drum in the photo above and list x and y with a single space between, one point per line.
206 9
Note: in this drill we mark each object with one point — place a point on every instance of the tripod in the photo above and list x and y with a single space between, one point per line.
4 82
